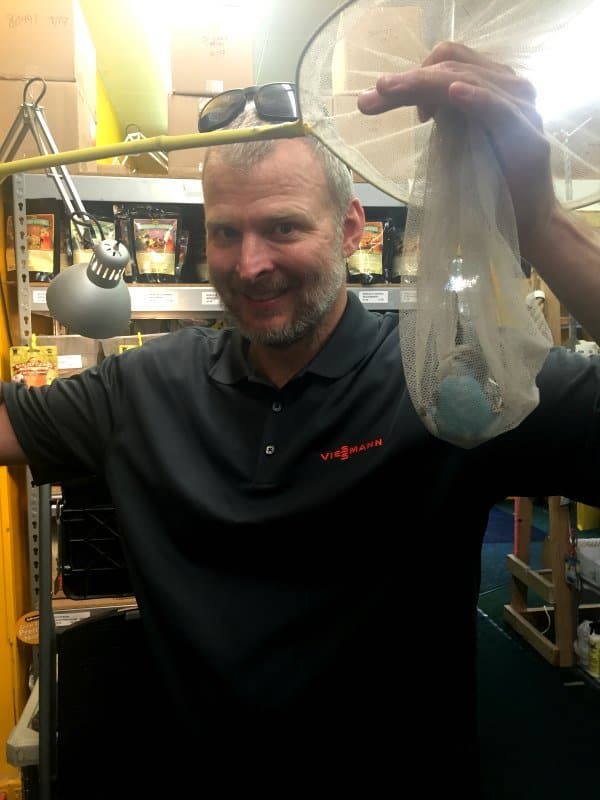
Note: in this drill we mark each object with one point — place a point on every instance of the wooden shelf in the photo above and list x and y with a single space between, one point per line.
532 622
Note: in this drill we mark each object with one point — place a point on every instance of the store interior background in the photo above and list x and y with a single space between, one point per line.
132 51
132 47
539 723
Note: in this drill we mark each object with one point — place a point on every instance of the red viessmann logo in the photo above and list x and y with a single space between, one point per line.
344 452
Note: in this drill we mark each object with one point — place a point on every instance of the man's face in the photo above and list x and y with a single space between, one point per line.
275 252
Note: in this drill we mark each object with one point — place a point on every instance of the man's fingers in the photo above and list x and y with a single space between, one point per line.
455 51
428 87
496 98
490 106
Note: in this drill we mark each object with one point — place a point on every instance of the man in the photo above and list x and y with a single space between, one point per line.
304 554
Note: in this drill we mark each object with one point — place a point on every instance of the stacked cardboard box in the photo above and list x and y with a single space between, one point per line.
183 110
210 52
371 42
51 41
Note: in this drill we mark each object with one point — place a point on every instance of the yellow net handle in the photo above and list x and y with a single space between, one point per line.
284 130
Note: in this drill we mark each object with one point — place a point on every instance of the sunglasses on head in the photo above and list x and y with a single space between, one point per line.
274 102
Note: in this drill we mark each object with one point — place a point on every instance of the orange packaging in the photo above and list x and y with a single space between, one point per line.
40 243
35 366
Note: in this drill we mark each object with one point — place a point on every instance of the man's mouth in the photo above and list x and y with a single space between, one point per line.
263 293
262 297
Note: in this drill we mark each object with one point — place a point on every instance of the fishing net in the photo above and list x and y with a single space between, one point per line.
471 348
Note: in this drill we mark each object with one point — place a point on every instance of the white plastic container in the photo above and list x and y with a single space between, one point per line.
594 655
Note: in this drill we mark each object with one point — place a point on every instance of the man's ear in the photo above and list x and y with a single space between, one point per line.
354 223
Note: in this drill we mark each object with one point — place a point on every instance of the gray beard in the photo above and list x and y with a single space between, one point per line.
318 301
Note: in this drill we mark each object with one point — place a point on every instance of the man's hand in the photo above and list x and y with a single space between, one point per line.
495 96
565 251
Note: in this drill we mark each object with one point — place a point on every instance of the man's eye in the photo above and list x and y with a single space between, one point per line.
224 233
284 228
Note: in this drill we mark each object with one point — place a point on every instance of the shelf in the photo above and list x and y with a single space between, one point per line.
171 299
386 297
131 189
23 743
196 301
588 586
118 189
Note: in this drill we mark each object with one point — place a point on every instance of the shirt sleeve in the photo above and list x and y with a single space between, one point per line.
556 449
65 428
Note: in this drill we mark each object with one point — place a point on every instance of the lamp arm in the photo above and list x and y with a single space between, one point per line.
30 118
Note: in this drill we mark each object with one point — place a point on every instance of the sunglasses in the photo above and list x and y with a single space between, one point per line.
274 102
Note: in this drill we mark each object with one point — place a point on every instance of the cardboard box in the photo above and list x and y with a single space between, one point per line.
138 166
182 118
374 41
49 40
383 139
211 51
71 121
75 353
110 347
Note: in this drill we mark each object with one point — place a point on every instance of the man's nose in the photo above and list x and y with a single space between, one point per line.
255 256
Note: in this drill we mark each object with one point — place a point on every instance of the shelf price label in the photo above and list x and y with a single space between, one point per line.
38 297
374 297
74 361
152 299
211 298
408 297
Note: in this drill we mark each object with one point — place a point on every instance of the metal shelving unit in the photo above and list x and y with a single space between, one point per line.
173 300
131 189
165 301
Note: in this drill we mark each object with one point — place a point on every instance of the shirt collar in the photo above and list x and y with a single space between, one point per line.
351 340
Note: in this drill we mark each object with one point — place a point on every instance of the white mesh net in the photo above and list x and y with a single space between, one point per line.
470 348
551 42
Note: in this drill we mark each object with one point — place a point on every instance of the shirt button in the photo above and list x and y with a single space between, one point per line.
270 449
277 406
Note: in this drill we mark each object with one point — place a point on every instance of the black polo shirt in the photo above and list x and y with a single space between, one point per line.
300 553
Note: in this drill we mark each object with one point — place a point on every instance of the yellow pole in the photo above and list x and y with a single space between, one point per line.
285 130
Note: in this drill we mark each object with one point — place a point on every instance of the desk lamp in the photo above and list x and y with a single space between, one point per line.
90 299
93 299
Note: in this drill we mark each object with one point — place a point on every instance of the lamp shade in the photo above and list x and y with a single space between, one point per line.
92 299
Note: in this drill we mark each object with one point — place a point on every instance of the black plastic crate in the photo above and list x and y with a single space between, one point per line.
91 555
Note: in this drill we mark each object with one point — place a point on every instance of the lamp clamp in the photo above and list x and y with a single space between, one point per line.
31 119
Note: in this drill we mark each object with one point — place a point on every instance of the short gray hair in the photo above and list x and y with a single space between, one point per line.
245 155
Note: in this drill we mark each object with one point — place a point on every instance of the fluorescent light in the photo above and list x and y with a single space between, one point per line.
568 53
